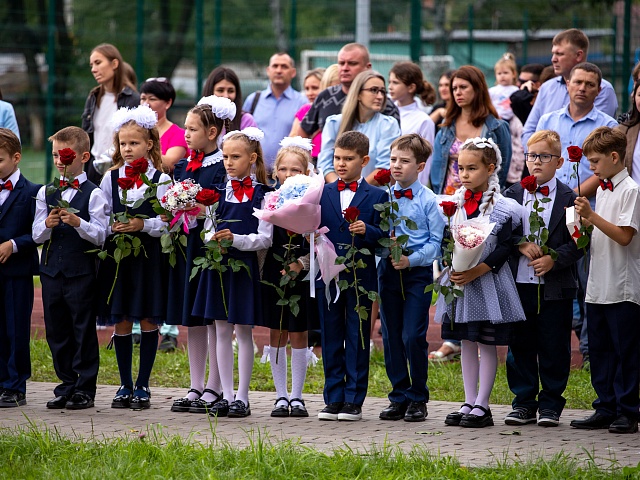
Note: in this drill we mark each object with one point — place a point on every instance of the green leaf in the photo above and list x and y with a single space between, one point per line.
545 200
365 251
384 225
117 255
102 255
395 206
385 242
360 264
582 242
544 236
429 288
372 295
340 260
295 308
343 284
282 301
165 240
411 225
402 239
183 240
380 207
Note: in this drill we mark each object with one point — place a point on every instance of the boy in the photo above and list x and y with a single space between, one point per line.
613 288
540 353
18 265
405 321
67 272
346 362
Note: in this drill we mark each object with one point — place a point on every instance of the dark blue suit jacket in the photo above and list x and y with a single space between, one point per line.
16 219
561 282
331 217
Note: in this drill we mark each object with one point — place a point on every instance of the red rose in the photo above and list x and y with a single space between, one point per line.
207 197
139 166
126 183
575 153
530 184
66 156
291 234
351 214
449 208
383 177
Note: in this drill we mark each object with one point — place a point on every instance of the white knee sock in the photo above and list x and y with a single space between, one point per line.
488 367
213 382
298 371
279 372
224 352
470 367
197 349
244 335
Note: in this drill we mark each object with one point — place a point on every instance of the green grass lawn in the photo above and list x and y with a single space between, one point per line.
33 165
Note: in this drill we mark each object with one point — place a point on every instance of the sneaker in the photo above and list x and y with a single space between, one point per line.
350 412
548 418
168 344
330 412
520 416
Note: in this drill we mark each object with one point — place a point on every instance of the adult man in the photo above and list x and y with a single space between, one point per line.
275 107
569 49
529 82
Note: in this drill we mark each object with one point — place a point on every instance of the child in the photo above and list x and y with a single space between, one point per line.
18 264
67 273
483 316
540 353
140 281
203 125
506 75
346 362
613 288
242 193
293 159
405 322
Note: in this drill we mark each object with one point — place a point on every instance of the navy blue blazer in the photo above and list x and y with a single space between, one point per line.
331 217
561 282
16 219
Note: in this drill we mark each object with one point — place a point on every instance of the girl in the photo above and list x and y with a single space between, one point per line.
244 191
482 317
405 82
311 85
141 279
292 159
203 125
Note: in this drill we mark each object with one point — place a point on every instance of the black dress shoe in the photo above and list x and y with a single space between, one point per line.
471 420
58 402
596 421
395 411
298 410
10 399
202 406
624 424
122 398
453 419
79 401
280 410
416 412
238 409
141 399
184 404
220 409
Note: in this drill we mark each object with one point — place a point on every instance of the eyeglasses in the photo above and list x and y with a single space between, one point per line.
544 157
157 79
375 90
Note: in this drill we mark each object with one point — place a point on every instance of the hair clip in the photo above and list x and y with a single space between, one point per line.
221 107
142 115
252 133
303 143
481 142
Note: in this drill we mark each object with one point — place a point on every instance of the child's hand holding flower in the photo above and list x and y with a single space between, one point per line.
583 208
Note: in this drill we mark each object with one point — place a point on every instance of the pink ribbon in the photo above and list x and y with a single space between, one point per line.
183 217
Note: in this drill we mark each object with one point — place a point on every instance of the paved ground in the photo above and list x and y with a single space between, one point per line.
471 446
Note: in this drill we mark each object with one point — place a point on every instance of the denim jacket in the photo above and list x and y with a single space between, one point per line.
493 128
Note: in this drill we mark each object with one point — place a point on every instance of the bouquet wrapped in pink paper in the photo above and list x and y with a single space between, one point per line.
469 237
181 201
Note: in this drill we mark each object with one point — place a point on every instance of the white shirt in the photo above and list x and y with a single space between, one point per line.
526 274
414 120
94 230
102 128
614 274
347 195
4 194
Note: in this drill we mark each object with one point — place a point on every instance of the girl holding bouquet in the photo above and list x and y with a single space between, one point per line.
233 222
481 318
203 125
129 287
293 159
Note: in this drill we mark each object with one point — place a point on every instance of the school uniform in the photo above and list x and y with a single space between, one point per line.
17 209
68 277
346 362
405 321
540 351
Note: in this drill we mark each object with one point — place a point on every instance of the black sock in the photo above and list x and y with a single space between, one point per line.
123 345
148 349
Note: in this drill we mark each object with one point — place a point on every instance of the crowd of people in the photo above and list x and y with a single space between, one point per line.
398 166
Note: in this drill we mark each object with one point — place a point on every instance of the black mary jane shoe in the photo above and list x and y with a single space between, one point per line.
453 419
201 406
58 402
238 409
219 409
474 421
79 401
281 410
122 398
298 410
184 404
141 398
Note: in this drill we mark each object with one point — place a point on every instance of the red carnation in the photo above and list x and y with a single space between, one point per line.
449 208
126 183
207 197
66 156
530 184
383 177
351 214
139 166
575 153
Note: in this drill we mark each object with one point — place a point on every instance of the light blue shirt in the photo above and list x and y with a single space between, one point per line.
553 95
274 117
8 118
422 209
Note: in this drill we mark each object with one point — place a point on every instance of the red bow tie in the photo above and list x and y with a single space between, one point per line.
242 188
605 185
6 186
195 161
544 190
75 184
471 201
130 172
403 193
353 186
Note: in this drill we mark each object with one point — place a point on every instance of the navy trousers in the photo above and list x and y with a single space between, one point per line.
614 336
404 330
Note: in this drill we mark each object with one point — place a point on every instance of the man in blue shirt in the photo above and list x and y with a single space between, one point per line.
569 49
276 105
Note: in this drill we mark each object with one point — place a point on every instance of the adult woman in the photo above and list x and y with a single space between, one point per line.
113 91
440 108
631 128
159 94
362 112
470 114
312 87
